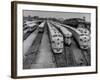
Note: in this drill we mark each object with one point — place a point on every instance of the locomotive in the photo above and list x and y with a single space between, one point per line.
41 27
28 29
56 39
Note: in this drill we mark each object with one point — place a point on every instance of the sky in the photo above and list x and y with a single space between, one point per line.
55 14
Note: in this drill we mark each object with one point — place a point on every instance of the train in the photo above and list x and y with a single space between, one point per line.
41 27
84 31
28 29
66 33
29 26
84 41
82 38
56 39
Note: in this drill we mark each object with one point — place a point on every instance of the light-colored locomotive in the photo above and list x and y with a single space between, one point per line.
84 38
30 27
56 39
67 34
84 41
41 27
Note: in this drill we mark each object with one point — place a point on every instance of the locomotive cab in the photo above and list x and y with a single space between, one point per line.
84 42
41 27
56 39
68 38
57 44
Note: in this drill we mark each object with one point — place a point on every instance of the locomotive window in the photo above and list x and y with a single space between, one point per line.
85 32
84 37
82 34
53 41
54 35
60 35
81 40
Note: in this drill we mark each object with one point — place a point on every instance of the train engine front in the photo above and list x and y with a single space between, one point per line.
57 43
84 38
84 42
56 39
